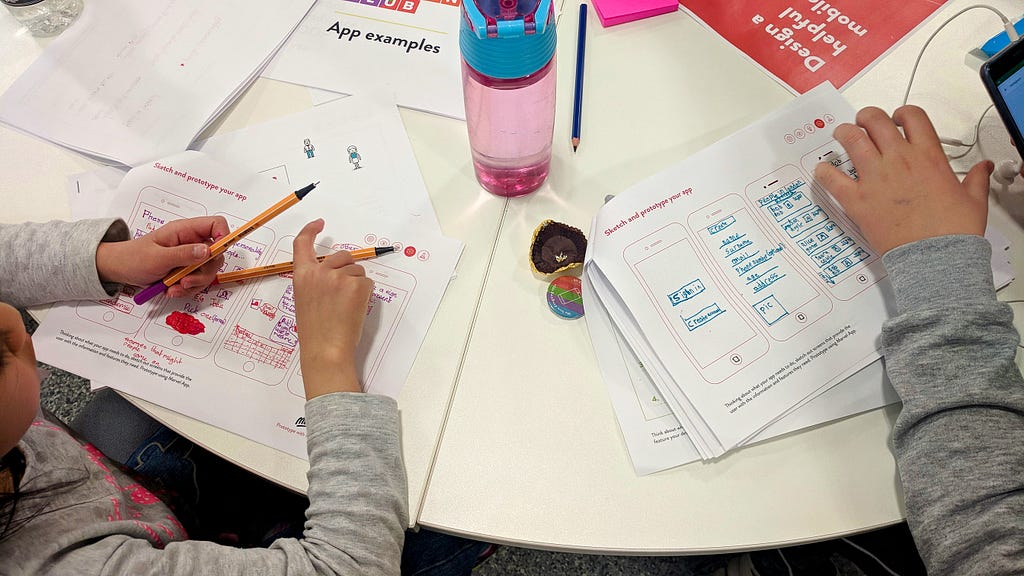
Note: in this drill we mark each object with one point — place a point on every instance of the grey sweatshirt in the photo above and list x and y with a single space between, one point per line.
108 524
959 440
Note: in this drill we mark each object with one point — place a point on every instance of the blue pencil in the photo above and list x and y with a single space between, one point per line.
577 105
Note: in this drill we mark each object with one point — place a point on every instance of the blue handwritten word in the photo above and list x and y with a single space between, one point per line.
767 280
771 310
707 314
686 292
770 275
746 255
734 248
721 225
765 257
731 238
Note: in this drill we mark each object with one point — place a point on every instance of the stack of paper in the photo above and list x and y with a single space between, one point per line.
134 81
728 293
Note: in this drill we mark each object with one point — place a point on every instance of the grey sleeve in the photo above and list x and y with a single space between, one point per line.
47 262
950 353
355 523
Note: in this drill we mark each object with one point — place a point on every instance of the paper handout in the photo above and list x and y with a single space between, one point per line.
229 355
739 284
401 51
131 82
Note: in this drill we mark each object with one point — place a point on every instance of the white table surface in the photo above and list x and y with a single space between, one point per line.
531 454
508 432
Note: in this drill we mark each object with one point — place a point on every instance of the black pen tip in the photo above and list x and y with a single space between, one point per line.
301 192
383 250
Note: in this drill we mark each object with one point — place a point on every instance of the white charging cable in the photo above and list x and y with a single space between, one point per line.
1007 25
1011 32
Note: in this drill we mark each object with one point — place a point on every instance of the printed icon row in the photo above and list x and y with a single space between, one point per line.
808 128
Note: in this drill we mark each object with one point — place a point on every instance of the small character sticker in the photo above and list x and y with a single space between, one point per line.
354 158
308 148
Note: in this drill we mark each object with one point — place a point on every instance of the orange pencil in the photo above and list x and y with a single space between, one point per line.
220 246
285 267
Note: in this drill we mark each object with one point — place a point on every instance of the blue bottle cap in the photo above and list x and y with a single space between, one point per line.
507 38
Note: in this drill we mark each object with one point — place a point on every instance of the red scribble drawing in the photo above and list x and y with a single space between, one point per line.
246 344
184 323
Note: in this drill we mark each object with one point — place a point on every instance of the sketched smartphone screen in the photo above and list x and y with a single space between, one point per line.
705 323
808 223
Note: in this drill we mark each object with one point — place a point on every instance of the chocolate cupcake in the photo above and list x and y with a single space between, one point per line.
556 248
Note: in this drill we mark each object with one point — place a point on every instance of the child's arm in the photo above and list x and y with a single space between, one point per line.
90 259
949 350
358 511
46 262
330 304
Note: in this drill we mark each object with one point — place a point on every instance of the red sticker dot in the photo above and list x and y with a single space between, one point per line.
410 251
819 123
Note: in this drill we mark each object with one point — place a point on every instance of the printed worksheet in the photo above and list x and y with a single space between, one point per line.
402 51
737 281
654 437
131 82
355 146
229 355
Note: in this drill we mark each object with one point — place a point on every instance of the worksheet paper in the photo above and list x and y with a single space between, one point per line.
402 51
741 285
130 82
229 356
654 437
802 44
355 146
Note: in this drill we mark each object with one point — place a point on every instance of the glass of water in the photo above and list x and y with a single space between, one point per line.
44 17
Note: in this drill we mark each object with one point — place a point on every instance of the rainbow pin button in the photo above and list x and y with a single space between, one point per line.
565 297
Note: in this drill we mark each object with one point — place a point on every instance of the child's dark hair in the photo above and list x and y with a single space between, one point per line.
34 503
15 500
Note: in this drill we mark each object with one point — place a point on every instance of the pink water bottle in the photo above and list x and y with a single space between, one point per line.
508 81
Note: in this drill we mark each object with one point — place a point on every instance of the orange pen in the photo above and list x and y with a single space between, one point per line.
220 246
285 267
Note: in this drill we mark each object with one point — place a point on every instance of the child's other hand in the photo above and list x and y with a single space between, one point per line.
906 190
150 258
330 305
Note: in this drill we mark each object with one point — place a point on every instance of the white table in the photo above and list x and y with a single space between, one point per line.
531 454
509 435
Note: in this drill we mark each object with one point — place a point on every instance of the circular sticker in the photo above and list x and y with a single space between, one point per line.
565 297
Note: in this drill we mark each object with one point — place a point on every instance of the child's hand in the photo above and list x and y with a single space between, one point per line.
150 258
906 190
330 305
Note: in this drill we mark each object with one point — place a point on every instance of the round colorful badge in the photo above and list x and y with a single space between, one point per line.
565 297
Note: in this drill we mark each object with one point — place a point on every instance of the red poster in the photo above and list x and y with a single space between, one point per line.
806 42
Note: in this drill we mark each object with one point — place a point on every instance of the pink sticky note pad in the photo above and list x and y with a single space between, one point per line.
612 12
